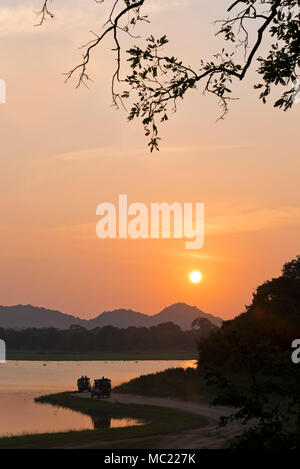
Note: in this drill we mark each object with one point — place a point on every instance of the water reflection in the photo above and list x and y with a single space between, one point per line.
109 422
62 376
22 382
20 414
101 422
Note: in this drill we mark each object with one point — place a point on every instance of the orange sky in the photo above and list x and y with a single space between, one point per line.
63 151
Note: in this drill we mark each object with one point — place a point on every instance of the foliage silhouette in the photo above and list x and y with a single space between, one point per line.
157 81
250 360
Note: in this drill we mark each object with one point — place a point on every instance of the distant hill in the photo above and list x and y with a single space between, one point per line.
183 315
21 316
121 318
25 316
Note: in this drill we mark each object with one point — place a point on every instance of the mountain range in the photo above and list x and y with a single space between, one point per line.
26 316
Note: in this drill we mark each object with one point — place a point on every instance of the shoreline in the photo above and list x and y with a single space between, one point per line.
26 355
160 422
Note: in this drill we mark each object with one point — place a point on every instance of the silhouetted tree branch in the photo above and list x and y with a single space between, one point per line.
44 13
157 81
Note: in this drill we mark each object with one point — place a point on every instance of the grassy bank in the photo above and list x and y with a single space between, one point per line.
44 355
186 384
159 421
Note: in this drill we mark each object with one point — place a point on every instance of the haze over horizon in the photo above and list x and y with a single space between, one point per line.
93 314
64 151
28 316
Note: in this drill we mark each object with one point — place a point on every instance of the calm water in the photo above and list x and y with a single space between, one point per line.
21 382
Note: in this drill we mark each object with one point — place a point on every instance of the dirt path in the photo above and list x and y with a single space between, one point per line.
200 438
212 414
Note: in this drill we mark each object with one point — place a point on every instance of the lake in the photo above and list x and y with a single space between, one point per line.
22 381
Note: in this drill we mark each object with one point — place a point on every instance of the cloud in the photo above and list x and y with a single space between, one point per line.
229 223
233 223
92 153
18 20
196 255
101 152
248 221
157 6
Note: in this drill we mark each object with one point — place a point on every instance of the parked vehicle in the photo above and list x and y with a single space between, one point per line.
84 384
101 388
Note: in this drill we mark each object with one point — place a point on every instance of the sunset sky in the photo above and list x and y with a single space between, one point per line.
65 150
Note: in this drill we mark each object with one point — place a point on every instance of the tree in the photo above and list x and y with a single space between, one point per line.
292 269
156 81
264 400
204 325
278 300
250 362
272 319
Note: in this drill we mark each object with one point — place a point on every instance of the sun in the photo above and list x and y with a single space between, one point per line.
195 277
